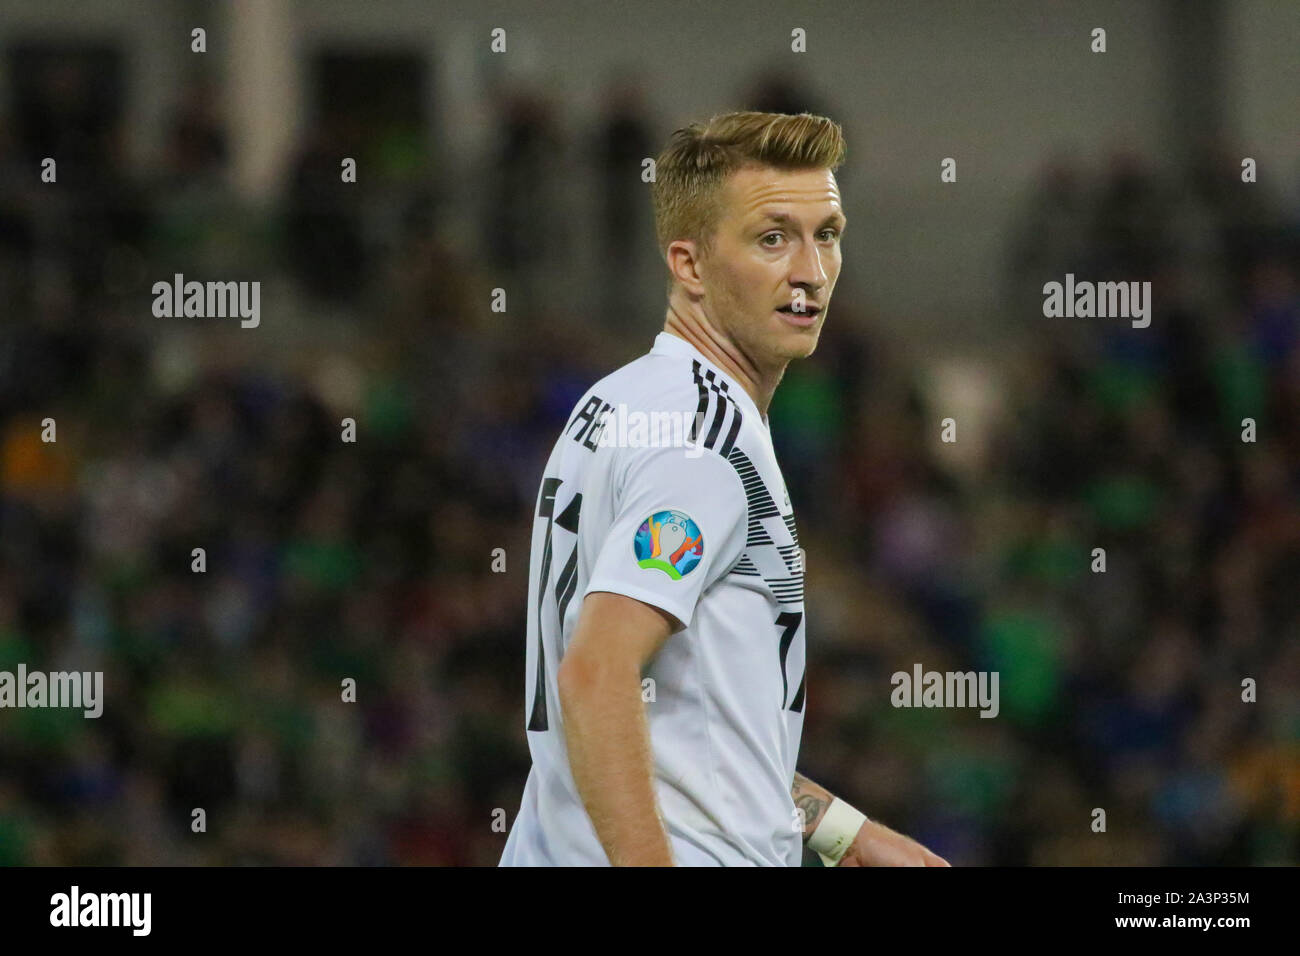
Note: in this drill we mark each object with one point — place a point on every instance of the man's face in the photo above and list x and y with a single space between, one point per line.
779 235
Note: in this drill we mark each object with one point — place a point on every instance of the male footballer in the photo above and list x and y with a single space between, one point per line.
665 687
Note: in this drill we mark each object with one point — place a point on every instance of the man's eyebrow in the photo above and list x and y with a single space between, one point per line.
785 219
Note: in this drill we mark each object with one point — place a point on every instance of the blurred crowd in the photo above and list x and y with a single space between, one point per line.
326 560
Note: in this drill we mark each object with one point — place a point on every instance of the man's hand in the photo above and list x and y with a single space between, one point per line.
877 845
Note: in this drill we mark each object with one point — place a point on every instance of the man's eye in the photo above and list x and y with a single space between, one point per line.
770 235
834 233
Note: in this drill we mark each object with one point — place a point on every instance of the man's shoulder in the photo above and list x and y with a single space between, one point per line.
665 399
650 382
652 386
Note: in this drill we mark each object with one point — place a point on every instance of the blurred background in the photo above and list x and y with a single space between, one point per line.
521 170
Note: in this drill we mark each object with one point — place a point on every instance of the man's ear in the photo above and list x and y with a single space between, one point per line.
683 257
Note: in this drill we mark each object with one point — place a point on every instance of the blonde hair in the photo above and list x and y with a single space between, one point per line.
690 172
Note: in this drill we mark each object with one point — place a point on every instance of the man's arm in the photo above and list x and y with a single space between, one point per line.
812 800
873 845
605 727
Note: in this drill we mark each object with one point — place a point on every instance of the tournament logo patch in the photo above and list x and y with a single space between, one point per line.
669 541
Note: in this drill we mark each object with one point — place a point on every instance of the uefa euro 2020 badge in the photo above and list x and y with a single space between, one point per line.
669 541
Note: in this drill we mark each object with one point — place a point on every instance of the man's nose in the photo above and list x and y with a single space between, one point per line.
808 270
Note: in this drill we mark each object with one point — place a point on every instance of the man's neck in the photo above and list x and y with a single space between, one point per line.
687 324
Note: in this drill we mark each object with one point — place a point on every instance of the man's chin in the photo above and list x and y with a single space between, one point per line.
800 343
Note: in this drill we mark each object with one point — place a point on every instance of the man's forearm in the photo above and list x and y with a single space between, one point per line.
609 753
813 800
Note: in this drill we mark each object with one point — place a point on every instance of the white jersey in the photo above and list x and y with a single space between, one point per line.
706 533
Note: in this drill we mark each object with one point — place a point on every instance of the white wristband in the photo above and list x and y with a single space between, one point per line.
836 831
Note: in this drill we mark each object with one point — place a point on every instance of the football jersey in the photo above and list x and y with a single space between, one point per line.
706 533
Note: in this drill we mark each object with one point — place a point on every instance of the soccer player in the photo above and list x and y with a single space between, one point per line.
665 658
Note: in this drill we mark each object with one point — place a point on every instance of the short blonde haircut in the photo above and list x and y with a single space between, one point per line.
691 171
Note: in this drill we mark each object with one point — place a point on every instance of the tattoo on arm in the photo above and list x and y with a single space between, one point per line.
812 800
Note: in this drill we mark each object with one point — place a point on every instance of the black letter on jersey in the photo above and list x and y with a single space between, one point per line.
592 414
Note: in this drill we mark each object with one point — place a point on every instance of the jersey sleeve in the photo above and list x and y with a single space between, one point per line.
680 524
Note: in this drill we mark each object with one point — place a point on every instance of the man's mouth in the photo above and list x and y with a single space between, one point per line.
805 318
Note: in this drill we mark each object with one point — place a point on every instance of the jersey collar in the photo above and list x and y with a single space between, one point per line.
668 344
